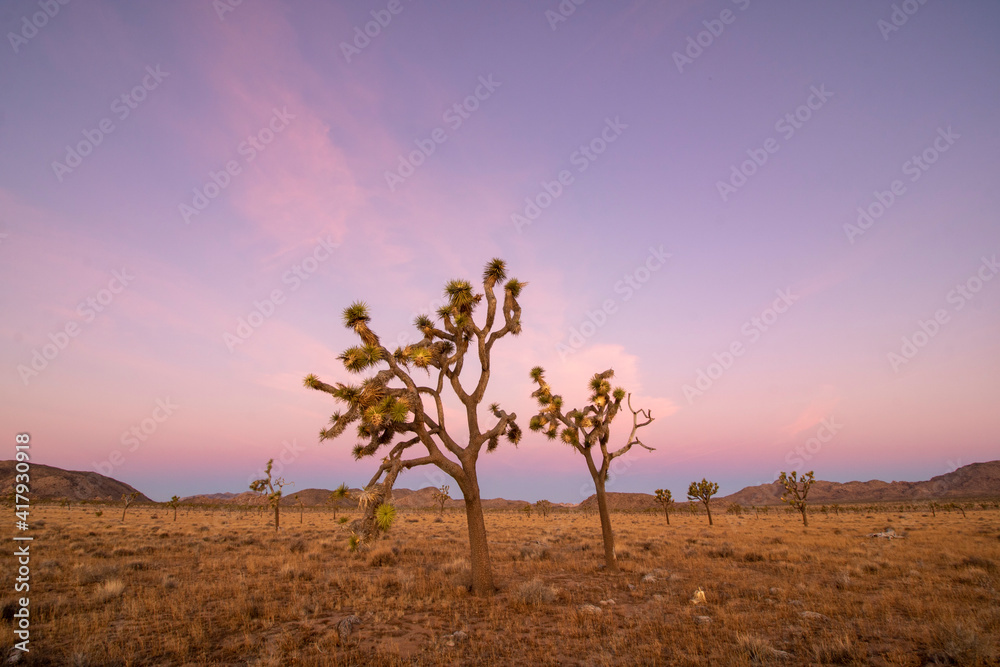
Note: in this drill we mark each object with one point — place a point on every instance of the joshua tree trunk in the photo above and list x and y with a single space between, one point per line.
479 548
610 559
666 513
805 521
709 509
275 517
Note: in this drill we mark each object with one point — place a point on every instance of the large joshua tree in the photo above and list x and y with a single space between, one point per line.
389 406
588 430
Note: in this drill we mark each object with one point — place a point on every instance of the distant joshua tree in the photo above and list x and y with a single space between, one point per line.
796 491
128 499
589 429
403 416
526 509
270 488
173 503
441 497
703 492
666 500
544 507
340 493
301 505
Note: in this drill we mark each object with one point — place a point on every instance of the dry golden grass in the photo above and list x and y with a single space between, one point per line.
221 588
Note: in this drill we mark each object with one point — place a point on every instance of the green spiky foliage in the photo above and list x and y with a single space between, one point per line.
703 491
796 491
666 500
588 430
385 516
397 407
271 489
173 503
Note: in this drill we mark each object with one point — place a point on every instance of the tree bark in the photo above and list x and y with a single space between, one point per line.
709 509
667 514
805 521
275 518
610 559
479 548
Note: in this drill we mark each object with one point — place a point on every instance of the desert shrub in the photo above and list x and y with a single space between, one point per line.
110 589
382 557
724 551
535 592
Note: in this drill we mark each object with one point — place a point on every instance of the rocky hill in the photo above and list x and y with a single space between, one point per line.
49 483
976 480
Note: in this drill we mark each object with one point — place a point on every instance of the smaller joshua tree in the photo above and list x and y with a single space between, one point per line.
441 497
703 491
796 490
173 503
588 431
666 499
128 499
544 507
270 488
301 505
526 509
340 493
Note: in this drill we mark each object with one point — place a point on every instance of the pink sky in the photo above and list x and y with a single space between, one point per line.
833 106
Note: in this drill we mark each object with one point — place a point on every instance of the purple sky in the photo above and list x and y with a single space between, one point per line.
697 167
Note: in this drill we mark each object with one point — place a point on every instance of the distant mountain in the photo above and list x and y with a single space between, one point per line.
49 483
972 481
976 480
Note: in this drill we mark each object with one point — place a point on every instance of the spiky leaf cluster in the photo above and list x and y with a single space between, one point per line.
664 497
796 489
703 490
578 428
